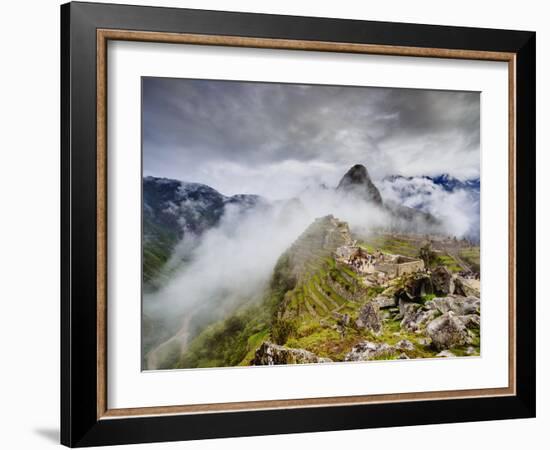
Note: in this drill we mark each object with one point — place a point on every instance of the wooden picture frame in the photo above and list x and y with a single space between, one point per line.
86 418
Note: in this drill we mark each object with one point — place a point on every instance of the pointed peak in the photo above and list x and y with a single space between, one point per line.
357 181
358 172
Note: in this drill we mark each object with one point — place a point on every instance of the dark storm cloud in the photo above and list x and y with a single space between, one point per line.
259 134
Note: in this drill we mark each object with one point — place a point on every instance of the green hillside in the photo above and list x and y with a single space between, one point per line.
314 302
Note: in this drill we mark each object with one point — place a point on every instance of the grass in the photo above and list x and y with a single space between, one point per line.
369 248
316 283
449 262
156 250
390 244
253 343
320 341
348 271
227 342
373 291
427 298
472 257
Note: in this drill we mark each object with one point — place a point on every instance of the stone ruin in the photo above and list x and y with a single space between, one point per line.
397 265
357 258
363 262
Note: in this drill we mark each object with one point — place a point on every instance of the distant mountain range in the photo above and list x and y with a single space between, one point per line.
312 308
447 182
451 184
173 209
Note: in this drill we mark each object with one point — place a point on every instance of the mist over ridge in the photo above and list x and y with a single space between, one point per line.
259 162
227 261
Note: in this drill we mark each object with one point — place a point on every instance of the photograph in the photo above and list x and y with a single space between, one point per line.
300 223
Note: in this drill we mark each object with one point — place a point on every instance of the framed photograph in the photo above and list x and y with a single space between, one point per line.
276 224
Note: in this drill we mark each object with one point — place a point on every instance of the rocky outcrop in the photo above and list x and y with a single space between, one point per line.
407 310
415 316
270 354
369 318
471 321
404 344
415 286
385 302
466 287
459 305
367 351
447 331
443 281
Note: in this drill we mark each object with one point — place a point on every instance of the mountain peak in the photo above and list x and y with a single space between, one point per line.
357 181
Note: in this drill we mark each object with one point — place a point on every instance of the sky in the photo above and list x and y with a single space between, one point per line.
276 139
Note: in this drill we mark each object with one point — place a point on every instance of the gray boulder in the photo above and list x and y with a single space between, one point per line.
415 316
404 344
406 306
385 302
270 354
457 304
410 312
443 281
470 321
466 287
447 331
366 351
369 318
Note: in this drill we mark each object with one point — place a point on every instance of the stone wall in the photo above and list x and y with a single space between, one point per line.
399 269
409 267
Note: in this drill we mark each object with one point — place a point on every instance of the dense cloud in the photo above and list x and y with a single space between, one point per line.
277 139
233 261
457 209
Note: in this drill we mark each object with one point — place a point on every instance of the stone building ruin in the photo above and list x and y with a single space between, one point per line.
364 262
398 265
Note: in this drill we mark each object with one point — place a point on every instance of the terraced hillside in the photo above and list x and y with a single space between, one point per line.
301 290
318 309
